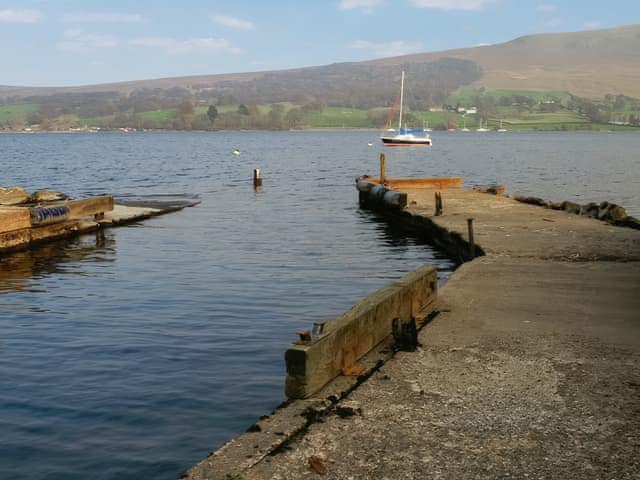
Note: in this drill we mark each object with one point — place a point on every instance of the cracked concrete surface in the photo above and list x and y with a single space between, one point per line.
530 369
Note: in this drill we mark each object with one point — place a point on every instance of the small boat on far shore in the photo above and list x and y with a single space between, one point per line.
481 128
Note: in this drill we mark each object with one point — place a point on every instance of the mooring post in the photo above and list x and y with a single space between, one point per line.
257 180
383 169
438 204
472 245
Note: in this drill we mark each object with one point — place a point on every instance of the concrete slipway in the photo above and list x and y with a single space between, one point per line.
529 368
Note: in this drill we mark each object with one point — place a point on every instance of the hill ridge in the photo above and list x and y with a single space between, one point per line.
586 63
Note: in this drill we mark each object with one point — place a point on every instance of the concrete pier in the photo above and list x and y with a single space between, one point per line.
529 367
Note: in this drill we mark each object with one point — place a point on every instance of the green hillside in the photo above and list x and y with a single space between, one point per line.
549 81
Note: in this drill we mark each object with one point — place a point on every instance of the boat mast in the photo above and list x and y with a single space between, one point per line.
401 102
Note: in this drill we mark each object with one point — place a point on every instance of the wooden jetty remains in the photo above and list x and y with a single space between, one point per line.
27 226
526 364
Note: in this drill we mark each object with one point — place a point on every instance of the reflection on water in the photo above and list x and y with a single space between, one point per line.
396 237
21 271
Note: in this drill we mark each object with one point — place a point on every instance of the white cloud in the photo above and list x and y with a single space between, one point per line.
175 46
452 4
391 49
232 22
77 40
20 16
592 25
552 23
545 7
351 4
94 17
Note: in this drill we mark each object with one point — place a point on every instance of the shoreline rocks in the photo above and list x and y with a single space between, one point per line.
47 195
605 211
13 196
16 196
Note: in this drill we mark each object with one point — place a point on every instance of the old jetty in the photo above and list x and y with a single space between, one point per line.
526 364
27 221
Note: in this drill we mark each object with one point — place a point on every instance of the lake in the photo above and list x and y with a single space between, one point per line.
135 353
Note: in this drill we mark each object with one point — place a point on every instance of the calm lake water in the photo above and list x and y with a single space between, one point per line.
132 355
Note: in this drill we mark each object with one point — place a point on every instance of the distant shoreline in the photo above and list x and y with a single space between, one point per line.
602 129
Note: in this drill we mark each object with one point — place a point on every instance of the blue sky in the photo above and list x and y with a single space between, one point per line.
72 42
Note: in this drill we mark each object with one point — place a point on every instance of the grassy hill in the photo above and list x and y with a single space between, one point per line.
587 64
563 79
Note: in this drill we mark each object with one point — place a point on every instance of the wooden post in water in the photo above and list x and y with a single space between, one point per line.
257 179
472 245
383 169
438 204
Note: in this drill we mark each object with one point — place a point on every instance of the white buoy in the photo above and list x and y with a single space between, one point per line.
236 152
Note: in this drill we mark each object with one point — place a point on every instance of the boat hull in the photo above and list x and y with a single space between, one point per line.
408 142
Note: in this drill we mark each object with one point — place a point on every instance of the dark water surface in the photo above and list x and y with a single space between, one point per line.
132 355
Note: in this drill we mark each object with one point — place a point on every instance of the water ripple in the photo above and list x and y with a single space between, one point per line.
133 354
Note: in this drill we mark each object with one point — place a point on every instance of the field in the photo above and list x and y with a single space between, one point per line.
17 112
160 118
466 95
514 118
262 109
336 117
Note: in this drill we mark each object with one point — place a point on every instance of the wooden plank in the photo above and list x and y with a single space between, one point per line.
54 231
15 239
14 219
26 237
426 183
345 339
89 206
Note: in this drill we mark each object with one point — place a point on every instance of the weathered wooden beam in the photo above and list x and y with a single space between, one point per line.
14 218
427 183
26 237
347 338
87 207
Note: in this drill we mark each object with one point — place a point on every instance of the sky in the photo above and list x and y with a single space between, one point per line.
73 42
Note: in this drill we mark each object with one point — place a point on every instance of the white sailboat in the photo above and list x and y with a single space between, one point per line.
404 137
481 128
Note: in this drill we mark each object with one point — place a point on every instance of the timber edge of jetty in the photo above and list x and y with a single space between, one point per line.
29 220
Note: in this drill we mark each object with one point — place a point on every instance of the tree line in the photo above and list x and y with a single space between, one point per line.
344 85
